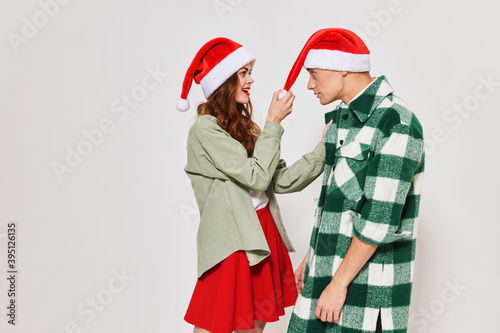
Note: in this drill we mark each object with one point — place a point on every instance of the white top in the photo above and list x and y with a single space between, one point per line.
259 199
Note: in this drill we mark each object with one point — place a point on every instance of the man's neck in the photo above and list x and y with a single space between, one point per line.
355 82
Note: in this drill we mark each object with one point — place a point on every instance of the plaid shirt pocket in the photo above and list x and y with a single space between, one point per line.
349 174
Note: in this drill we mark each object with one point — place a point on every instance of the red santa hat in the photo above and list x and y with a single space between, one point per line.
214 63
334 49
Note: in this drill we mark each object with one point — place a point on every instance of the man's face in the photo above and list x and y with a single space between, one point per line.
327 85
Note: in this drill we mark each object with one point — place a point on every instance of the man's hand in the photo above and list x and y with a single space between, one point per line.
331 302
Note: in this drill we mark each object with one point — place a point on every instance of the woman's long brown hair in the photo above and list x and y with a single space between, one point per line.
233 117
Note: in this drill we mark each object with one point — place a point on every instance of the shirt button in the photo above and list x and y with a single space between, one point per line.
345 116
341 142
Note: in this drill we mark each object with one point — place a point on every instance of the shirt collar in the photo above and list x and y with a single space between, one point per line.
367 100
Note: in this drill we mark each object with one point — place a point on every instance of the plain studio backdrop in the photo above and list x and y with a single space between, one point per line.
93 150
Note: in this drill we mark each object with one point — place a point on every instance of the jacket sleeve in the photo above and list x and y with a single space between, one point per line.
231 158
392 187
301 173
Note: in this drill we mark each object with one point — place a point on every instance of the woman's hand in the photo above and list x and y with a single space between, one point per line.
299 275
324 131
279 110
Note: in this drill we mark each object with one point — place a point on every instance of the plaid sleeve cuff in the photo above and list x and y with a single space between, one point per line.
375 233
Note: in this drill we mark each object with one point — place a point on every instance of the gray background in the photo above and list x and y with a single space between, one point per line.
127 207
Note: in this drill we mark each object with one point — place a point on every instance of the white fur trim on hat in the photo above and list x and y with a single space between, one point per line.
224 69
337 60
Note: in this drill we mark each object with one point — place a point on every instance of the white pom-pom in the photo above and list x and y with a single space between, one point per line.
183 105
282 94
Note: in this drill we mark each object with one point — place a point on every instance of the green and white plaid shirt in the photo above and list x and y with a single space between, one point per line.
371 188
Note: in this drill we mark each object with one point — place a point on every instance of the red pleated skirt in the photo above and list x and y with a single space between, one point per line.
232 295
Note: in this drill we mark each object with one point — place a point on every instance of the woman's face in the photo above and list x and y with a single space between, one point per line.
242 95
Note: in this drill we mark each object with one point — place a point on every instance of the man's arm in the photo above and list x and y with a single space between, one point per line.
391 176
333 297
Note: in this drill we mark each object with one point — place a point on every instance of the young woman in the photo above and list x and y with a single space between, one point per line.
245 276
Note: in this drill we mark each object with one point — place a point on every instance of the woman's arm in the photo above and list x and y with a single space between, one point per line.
230 157
299 274
296 177
303 172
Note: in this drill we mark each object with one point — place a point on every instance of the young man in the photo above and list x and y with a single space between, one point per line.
357 275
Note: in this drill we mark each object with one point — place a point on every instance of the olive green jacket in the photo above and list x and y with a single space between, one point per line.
221 175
